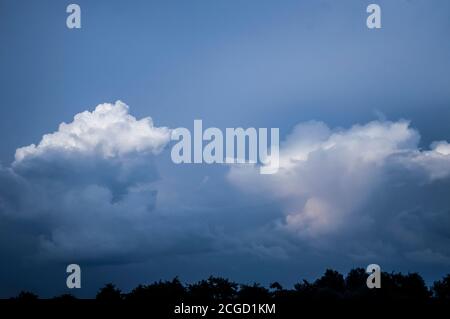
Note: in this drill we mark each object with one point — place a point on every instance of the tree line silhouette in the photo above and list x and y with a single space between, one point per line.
331 286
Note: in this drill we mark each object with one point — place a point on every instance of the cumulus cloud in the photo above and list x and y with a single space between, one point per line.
92 191
370 184
90 188
109 131
106 147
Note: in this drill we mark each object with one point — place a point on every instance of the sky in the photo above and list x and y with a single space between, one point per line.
363 117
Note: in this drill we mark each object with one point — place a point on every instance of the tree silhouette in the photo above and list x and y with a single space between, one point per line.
356 279
26 296
330 287
356 286
276 285
441 289
253 293
214 288
167 291
109 293
331 280
398 287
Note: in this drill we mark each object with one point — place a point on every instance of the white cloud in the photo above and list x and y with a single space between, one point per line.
92 192
356 183
108 131
436 161
90 188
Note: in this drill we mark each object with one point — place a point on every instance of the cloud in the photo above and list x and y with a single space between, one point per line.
367 190
109 131
94 192
90 189
107 147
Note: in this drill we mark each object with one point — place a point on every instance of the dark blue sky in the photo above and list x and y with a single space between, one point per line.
230 63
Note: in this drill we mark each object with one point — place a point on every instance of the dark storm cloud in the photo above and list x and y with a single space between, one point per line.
92 193
90 190
367 192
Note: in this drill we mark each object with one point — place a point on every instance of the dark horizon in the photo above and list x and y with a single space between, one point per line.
332 285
